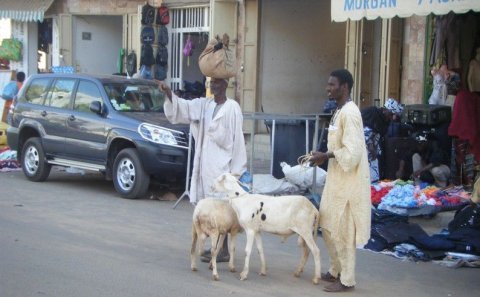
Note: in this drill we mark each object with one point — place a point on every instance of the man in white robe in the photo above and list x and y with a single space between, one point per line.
216 127
345 207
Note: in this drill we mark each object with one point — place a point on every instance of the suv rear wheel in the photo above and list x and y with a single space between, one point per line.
129 177
33 161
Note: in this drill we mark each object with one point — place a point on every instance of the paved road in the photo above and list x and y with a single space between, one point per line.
72 236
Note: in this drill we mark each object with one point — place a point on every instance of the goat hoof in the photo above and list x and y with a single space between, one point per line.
243 276
216 278
194 268
297 273
315 281
262 273
233 269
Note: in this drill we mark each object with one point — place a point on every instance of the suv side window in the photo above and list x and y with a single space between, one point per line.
36 90
87 92
60 93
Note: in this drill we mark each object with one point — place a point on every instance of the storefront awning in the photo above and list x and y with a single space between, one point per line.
354 10
24 10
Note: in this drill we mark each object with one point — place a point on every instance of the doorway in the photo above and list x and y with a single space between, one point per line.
45 32
374 56
97 43
187 25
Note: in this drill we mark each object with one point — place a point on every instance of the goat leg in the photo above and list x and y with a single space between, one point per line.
248 250
316 255
217 239
259 243
303 260
231 251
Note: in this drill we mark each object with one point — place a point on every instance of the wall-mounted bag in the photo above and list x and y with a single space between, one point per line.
146 72
148 14
160 72
163 16
217 60
11 49
162 56
131 63
147 35
146 56
163 35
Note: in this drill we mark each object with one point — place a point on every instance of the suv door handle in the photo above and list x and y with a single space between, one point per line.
43 113
71 118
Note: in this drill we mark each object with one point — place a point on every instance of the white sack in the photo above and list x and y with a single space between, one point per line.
269 185
302 176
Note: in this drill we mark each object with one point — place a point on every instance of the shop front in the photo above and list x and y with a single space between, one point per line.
389 45
419 52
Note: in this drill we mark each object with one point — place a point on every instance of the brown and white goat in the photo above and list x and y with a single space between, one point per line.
280 215
214 218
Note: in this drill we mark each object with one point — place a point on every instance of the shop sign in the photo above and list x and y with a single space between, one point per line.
343 10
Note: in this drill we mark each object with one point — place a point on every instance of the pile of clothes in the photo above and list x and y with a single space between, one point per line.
400 197
8 160
393 234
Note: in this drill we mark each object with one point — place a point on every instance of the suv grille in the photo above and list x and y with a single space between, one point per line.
181 138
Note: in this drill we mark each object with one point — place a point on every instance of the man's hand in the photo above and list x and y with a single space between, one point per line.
318 158
164 88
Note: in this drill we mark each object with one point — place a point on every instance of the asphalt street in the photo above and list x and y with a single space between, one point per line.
73 236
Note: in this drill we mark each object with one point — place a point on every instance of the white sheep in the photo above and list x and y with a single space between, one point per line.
281 215
214 218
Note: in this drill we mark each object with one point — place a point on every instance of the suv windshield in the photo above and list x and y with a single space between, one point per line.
134 97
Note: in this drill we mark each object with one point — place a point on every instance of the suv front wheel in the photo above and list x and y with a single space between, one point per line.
33 161
129 177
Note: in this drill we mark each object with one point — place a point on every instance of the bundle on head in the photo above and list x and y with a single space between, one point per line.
221 42
217 60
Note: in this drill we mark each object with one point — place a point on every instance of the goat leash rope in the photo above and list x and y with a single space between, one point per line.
304 161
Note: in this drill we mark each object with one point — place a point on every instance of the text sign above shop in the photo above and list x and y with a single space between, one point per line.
354 10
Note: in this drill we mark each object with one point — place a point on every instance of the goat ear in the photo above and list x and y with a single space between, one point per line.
230 182
227 186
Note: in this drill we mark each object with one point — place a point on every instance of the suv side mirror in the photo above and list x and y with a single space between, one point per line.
96 107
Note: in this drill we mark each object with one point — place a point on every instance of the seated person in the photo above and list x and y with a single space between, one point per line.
425 163
133 101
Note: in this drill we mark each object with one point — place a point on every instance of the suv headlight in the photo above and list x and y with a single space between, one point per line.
156 134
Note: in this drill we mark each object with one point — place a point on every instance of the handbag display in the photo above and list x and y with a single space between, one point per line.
217 60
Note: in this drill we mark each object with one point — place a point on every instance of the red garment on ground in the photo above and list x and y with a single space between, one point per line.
465 124
377 196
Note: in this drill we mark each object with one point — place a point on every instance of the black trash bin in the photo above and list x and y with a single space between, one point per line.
289 143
